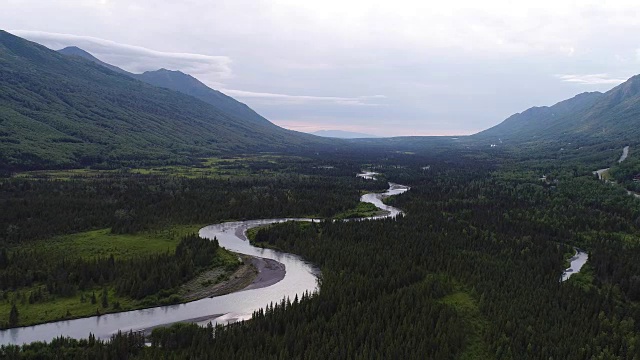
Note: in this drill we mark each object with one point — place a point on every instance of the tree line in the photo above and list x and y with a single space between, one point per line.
34 276
39 209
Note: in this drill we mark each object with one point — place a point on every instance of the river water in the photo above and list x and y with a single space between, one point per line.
623 157
300 277
577 262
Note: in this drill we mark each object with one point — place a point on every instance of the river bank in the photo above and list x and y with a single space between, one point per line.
254 273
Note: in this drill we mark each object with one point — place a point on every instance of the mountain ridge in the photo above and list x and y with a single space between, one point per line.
537 116
181 82
589 117
65 111
76 51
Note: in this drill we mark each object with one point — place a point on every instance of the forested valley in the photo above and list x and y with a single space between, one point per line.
37 209
56 260
471 271
108 183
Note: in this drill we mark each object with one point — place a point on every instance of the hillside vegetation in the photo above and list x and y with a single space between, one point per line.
184 83
63 111
586 119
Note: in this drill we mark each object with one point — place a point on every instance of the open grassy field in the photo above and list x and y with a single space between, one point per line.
102 243
89 302
360 211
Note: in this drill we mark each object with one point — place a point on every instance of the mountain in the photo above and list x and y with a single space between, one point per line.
535 120
187 84
181 82
538 121
586 118
342 134
76 51
66 111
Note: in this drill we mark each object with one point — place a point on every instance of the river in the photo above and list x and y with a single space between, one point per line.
623 157
300 277
577 262
581 257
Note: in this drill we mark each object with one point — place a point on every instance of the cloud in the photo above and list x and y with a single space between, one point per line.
474 55
136 58
591 79
209 69
305 99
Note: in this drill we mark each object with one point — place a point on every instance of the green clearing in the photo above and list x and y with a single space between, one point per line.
58 308
361 210
93 244
466 306
102 243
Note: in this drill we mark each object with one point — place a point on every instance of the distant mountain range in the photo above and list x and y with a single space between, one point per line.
58 110
591 117
342 134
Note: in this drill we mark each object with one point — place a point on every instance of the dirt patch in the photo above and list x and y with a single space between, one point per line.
219 281
269 273
254 273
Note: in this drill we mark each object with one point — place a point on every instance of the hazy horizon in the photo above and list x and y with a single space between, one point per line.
406 68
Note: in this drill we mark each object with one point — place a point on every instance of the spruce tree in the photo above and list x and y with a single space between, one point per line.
14 316
105 299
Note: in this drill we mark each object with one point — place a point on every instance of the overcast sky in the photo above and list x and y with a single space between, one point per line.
384 68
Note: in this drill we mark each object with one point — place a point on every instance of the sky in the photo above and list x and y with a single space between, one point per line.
385 68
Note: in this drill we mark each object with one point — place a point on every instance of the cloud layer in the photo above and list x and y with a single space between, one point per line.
305 99
135 59
591 79
212 70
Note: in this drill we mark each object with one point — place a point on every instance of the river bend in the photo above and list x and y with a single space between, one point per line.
300 277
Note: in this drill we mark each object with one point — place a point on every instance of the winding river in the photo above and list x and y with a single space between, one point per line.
300 277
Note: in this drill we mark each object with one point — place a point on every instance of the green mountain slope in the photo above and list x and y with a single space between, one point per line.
184 83
536 121
62 111
187 84
588 118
